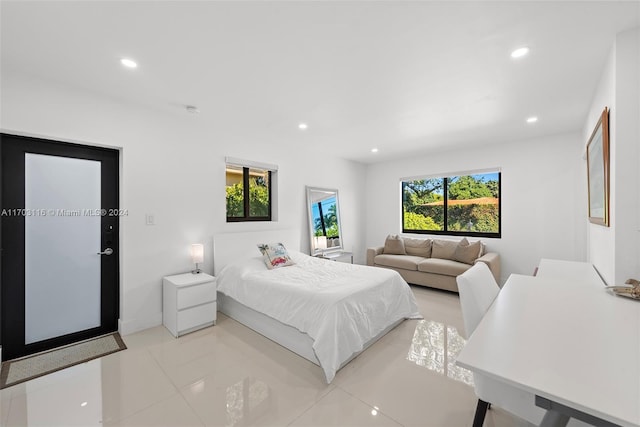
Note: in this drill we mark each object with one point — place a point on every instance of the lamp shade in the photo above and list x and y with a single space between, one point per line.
321 242
197 253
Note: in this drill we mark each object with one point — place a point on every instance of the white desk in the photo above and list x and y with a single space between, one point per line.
572 271
564 338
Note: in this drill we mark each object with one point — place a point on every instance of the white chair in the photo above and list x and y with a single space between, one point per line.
478 289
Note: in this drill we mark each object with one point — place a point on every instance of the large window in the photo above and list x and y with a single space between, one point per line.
462 205
248 193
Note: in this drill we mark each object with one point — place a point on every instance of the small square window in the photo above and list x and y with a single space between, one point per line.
248 193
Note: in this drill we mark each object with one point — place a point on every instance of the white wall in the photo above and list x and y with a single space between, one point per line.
614 249
543 197
172 166
601 240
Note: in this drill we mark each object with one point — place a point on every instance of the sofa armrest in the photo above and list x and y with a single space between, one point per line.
372 252
492 259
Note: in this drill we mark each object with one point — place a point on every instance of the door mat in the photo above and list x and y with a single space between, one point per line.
20 370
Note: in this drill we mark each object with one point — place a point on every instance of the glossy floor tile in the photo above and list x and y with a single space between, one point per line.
228 375
339 408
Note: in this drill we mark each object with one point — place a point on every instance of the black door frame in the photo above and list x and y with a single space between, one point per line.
12 237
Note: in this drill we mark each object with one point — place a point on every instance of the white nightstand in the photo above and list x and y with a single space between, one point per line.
188 302
337 256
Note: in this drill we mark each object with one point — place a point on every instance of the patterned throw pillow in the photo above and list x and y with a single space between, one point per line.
275 255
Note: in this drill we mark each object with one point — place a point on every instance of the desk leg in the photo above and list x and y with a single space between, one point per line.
554 419
558 415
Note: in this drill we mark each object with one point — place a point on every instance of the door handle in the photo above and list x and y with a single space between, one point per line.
107 251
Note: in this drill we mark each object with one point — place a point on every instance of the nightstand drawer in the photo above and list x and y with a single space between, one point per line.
196 316
195 295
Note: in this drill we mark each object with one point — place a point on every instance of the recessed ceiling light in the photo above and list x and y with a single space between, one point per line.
303 126
520 52
374 150
532 119
129 63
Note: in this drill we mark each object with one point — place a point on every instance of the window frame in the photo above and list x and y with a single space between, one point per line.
445 231
246 198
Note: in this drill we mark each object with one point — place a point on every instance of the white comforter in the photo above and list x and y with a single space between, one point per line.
340 306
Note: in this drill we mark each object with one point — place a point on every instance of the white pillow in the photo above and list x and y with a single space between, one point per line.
275 255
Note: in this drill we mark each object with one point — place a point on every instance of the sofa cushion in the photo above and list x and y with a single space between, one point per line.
406 262
394 245
445 267
467 252
417 247
443 249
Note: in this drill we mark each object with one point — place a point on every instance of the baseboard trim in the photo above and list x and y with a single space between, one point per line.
128 327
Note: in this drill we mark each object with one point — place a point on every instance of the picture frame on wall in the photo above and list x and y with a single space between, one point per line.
598 171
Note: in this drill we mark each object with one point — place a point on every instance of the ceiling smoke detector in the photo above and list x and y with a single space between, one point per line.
192 109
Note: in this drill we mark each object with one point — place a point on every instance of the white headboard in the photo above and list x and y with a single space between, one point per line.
230 247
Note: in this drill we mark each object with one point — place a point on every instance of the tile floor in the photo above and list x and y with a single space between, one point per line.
228 375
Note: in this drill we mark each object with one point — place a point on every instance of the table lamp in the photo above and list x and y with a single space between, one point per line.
197 256
321 243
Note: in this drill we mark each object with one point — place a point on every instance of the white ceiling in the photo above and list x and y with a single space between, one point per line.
405 77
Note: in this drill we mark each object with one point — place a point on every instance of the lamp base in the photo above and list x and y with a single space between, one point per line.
197 270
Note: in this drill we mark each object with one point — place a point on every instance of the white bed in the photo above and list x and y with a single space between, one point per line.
325 311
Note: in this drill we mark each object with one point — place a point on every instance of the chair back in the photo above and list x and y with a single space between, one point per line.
477 289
